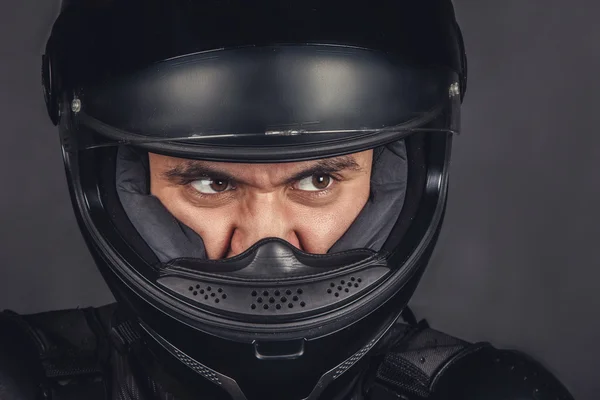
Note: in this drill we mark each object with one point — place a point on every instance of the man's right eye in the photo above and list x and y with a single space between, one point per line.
212 186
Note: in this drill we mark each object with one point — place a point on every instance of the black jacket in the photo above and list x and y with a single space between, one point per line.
87 354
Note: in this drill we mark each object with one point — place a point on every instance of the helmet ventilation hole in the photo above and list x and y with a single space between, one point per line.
278 298
207 293
343 286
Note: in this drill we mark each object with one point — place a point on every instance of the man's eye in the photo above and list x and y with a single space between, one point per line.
314 183
212 186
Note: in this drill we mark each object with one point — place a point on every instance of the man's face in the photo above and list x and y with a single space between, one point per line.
231 206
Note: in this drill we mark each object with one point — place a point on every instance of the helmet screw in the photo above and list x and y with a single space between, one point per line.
76 105
454 89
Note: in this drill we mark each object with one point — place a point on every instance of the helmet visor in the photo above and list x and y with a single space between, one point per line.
267 104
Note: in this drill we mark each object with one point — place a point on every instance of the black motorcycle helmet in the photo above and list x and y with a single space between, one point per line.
257 82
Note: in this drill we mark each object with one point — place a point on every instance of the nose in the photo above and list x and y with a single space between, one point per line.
263 216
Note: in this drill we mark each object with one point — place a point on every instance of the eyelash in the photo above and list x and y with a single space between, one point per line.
317 193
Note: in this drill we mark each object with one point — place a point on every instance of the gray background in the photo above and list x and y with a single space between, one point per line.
517 263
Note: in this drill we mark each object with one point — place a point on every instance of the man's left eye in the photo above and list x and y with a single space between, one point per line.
212 186
314 183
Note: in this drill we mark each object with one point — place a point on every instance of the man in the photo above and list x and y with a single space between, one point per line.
261 186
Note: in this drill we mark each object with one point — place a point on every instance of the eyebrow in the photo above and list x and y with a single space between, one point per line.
191 170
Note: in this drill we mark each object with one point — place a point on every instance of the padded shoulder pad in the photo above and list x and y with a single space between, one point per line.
414 362
493 374
21 373
62 355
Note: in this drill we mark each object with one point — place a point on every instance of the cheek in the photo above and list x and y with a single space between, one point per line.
319 228
212 224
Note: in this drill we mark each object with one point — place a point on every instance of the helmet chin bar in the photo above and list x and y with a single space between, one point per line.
231 386
273 281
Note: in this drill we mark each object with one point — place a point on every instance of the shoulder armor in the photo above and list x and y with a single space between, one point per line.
21 373
493 374
414 359
423 363
61 355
